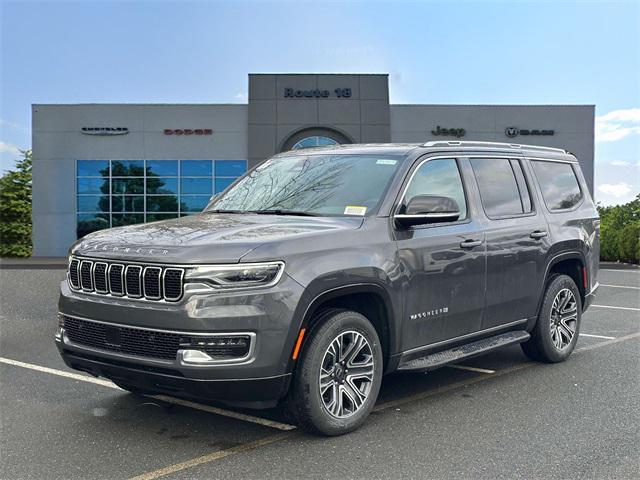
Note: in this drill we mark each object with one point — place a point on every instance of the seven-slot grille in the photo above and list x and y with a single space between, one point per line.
126 280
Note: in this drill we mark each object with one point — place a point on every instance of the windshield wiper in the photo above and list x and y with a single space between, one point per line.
219 210
279 211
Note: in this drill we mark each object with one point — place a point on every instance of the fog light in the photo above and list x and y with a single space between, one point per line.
195 356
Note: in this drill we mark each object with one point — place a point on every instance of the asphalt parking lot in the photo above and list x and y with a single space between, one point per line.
497 416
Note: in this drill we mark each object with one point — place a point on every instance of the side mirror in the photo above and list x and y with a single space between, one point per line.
423 209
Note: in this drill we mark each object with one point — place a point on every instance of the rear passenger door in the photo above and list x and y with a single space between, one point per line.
516 237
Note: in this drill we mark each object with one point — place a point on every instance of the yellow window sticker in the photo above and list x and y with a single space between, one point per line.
355 210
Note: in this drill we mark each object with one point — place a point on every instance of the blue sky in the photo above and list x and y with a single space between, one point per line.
452 52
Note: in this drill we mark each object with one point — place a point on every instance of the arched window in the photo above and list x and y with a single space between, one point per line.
314 141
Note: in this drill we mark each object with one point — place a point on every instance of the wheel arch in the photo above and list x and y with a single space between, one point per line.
571 263
368 299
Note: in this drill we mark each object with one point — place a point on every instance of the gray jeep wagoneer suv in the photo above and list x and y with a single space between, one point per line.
321 270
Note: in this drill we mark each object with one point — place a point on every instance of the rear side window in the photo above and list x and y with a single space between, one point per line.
500 189
559 185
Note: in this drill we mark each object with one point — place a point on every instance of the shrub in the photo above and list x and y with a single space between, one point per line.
620 232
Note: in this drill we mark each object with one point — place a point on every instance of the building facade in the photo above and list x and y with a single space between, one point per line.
103 165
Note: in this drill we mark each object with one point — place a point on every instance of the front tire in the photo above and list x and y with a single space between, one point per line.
556 331
337 381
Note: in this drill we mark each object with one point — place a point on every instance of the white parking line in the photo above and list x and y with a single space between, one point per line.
617 308
163 398
619 271
596 336
619 286
471 369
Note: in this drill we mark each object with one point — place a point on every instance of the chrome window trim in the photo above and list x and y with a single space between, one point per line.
160 286
106 273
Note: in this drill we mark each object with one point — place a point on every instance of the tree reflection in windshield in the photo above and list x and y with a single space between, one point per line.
323 184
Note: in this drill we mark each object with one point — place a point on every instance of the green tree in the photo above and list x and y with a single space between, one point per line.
15 209
620 231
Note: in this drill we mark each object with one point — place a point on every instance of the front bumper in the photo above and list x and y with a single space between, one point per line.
245 392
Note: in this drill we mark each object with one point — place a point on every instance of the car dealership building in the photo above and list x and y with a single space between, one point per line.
102 165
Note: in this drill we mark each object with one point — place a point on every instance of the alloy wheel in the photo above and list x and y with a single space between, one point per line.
564 318
346 374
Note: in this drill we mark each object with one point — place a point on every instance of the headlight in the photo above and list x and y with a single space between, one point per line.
237 276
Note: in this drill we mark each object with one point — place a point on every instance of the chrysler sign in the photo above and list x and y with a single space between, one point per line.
104 130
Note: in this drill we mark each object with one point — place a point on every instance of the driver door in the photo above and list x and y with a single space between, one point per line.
444 262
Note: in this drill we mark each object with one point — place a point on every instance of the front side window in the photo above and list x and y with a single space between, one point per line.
559 185
498 187
315 184
439 177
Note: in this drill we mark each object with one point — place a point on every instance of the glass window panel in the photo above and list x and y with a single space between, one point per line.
162 168
230 168
165 203
88 222
93 185
156 217
162 186
127 185
127 168
222 183
92 168
560 188
93 203
193 203
196 168
440 178
195 185
498 187
127 203
120 219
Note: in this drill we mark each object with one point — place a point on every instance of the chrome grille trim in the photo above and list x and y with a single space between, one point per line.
104 277
112 290
86 281
136 277
144 282
139 281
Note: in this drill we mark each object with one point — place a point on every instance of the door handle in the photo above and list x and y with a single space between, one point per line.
538 234
470 243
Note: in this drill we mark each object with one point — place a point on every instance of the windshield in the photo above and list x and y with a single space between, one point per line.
313 184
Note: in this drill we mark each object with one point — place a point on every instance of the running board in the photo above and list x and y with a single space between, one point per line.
439 359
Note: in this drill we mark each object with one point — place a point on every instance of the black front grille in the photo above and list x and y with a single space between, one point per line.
135 281
129 341
173 283
151 282
162 345
85 275
74 277
100 277
116 286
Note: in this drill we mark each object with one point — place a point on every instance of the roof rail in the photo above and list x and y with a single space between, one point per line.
452 143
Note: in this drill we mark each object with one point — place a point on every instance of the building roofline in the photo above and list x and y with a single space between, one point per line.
316 73
492 105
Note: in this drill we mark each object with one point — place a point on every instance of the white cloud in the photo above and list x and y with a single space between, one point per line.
9 149
624 163
618 124
617 190
242 96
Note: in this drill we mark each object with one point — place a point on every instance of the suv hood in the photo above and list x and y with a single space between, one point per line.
205 237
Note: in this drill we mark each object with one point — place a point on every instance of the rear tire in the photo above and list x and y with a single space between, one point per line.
556 331
337 380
